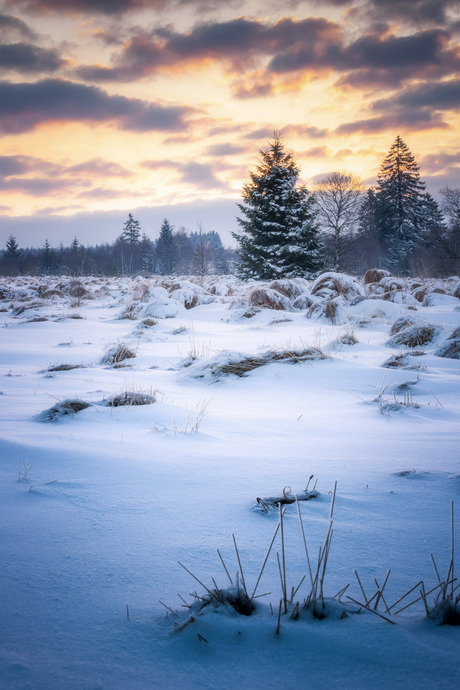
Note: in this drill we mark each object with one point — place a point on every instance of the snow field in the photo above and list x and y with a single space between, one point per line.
113 498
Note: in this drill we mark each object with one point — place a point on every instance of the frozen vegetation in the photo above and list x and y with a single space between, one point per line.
155 434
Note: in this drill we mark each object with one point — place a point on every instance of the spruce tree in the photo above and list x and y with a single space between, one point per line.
11 250
131 231
401 206
166 251
130 245
279 235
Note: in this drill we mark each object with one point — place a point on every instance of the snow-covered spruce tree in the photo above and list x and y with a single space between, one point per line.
279 237
166 250
401 206
129 245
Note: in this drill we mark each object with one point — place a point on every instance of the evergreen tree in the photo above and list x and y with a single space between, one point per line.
130 241
166 250
11 250
48 259
401 206
279 234
131 231
368 246
146 254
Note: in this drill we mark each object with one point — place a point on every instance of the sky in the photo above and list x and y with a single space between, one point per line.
160 107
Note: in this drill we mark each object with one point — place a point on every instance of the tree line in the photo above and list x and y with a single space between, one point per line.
174 253
287 230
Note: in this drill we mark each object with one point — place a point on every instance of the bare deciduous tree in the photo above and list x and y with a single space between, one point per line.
338 198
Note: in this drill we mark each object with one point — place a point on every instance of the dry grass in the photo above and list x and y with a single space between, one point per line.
268 298
64 367
131 398
374 275
451 348
248 364
414 336
63 408
401 323
117 353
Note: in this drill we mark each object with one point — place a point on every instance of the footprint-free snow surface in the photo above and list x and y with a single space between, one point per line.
140 421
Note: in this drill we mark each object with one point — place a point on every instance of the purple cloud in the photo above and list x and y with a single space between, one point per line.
25 106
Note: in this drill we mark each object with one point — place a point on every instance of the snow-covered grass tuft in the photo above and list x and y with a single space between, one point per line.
238 364
132 398
62 409
117 353
414 336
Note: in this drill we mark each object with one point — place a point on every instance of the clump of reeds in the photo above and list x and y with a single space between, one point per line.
63 408
118 353
64 367
267 298
132 398
401 323
242 600
247 364
374 275
451 347
443 608
414 336
274 502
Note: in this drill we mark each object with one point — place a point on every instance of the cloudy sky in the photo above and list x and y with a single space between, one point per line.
159 107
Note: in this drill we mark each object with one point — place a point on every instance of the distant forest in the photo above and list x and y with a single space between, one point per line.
174 253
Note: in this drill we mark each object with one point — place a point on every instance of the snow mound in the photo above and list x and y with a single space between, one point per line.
161 305
414 336
238 364
402 323
330 311
131 398
117 353
451 347
374 275
330 285
190 295
62 409
374 309
267 298
291 288
436 299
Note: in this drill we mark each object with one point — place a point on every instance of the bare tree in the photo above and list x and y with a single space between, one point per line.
338 197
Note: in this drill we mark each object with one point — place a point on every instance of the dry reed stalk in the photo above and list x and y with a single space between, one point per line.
279 618
452 543
341 592
295 612
239 565
418 598
284 558
184 604
225 567
362 588
304 539
283 584
436 568
265 560
166 607
195 578
371 610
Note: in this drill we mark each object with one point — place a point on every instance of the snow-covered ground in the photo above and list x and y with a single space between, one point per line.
99 506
